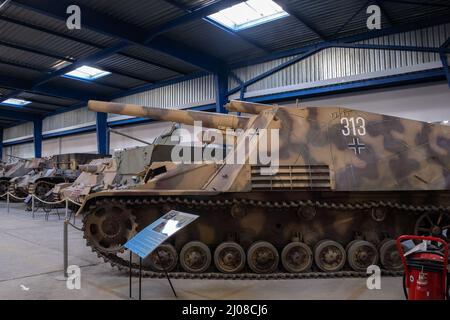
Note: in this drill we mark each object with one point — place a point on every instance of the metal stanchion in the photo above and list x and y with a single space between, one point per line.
167 274
66 247
66 216
140 278
131 273
7 202
66 240
32 205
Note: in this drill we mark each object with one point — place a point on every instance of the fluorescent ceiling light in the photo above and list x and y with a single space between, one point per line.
61 64
16 102
87 73
249 14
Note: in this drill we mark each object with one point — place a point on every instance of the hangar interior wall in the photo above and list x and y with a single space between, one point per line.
427 102
341 65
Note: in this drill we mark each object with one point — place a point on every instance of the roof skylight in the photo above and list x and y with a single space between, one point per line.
87 73
16 102
248 14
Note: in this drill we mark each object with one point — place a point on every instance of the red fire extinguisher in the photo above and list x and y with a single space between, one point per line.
425 271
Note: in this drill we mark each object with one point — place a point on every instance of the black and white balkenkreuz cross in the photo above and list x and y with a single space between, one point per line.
356 145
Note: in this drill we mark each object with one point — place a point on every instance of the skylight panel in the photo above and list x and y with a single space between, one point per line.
16 102
87 73
249 14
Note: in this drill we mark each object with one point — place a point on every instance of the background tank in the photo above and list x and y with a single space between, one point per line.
19 168
55 169
121 170
347 183
128 167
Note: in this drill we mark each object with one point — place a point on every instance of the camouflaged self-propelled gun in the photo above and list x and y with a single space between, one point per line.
53 170
13 171
126 168
348 182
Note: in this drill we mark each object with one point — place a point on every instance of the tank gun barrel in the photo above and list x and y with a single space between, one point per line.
90 168
16 157
209 120
246 107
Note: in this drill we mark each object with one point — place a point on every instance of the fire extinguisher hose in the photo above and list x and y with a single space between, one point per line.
405 291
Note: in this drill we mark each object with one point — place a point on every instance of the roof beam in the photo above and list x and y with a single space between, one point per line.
18 65
183 7
70 60
87 43
26 108
22 85
52 106
385 13
351 18
35 51
19 115
350 39
40 102
304 20
126 32
93 58
48 71
190 16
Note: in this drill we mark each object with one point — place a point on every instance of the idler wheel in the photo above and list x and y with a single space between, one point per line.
41 189
306 213
109 227
329 255
164 258
378 214
361 254
296 257
262 257
229 257
435 224
4 185
389 256
238 211
195 257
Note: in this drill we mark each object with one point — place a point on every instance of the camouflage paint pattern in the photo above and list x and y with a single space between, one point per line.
329 155
49 171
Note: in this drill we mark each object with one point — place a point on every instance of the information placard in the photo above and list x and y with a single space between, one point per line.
159 231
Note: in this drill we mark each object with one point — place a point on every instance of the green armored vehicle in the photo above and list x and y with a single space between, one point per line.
344 184
13 171
52 170
124 169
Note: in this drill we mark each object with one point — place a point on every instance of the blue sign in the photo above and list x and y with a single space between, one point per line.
159 231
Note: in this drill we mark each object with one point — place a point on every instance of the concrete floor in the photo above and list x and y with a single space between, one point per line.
31 264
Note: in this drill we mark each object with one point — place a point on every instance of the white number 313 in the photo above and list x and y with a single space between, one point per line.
357 126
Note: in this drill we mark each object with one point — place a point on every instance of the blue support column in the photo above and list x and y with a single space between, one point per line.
221 84
37 130
102 133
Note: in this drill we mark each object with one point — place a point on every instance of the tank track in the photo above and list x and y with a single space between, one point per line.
124 265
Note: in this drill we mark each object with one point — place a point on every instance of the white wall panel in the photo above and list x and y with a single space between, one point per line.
68 119
146 132
51 147
82 143
338 65
424 102
21 130
25 150
86 142
191 93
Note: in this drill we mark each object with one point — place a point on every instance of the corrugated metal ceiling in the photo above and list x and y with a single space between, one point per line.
326 16
142 13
